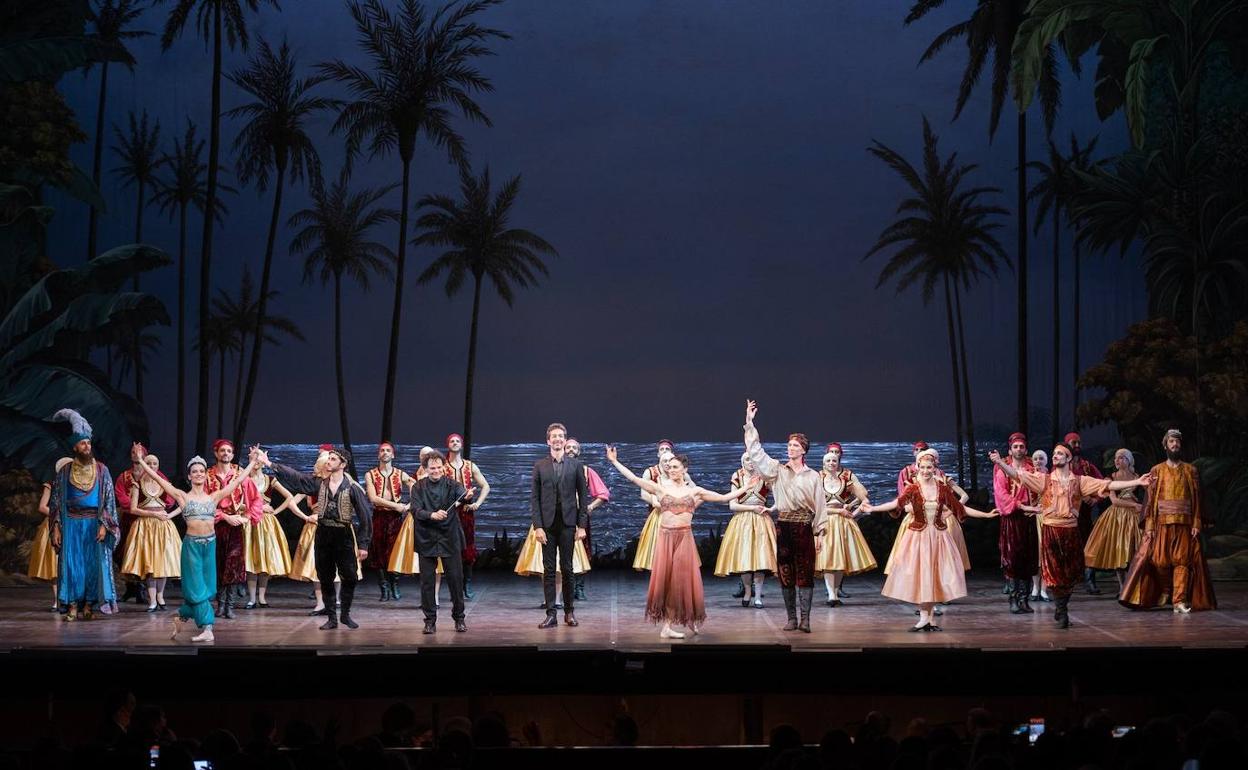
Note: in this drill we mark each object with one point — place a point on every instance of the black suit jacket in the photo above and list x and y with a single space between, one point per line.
572 493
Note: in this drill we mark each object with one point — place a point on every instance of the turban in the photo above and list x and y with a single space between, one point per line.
1016 436
1072 437
216 445
919 446
454 435
835 446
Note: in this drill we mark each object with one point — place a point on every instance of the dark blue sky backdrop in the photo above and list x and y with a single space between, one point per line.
701 167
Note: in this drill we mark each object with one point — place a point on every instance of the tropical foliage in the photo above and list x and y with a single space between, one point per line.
943 238
481 245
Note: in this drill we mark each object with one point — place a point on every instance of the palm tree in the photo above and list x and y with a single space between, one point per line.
334 240
1080 164
1054 191
991 30
174 195
944 235
127 362
221 341
138 151
111 19
1051 191
423 70
274 141
481 245
218 22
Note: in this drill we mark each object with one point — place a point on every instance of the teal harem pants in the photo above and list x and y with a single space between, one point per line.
199 578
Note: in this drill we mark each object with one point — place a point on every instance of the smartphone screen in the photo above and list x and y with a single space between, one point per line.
153 755
203 764
1122 730
1035 728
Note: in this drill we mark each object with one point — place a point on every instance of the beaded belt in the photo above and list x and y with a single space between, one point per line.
83 513
797 517
201 539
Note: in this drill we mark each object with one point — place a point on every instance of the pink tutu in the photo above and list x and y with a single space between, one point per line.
675 594
927 567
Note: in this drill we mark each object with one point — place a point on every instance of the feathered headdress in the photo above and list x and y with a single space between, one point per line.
81 429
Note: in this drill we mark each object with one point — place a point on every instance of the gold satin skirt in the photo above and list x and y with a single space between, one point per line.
748 545
646 541
303 564
42 555
265 550
529 563
403 558
152 548
844 548
1114 540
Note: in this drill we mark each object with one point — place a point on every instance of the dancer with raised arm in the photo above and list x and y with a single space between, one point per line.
1061 492
1169 566
1018 539
928 568
235 513
748 547
800 500
199 558
558 501
344 525
845 550
675 594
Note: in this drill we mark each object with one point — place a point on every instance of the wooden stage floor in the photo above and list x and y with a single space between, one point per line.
504 616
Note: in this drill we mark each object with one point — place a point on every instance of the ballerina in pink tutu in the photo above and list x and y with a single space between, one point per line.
675 594
928 568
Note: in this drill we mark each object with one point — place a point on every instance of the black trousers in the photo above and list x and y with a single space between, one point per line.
560 540
452 575
335 555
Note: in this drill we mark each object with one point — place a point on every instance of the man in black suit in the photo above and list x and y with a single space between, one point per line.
439 535
558 504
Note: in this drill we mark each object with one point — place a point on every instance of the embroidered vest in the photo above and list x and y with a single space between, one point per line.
346 513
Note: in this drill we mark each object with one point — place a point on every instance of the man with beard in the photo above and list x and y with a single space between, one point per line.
598 494
344 526
1169 565
1080 466
235 512
466 473
1061 546
385 485
83 515
435 508
1017 541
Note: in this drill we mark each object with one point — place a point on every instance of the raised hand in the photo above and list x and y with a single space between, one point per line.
751 409
612 453
994 456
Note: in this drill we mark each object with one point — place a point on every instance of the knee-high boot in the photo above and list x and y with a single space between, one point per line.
1023 587
805 596
790 606
383 585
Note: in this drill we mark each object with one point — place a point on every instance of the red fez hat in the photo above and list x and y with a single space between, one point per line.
1072 436
919 446
216 445
1016 436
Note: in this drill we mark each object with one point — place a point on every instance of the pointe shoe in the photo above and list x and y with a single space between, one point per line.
668 633
758 602
204 636
923 627
1182 608
693 630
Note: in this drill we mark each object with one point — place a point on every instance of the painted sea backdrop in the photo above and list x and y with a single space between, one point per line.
508 468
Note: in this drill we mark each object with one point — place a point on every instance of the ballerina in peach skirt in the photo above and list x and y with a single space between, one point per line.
928 568
675 594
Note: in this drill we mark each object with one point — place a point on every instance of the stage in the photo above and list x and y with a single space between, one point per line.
502 622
